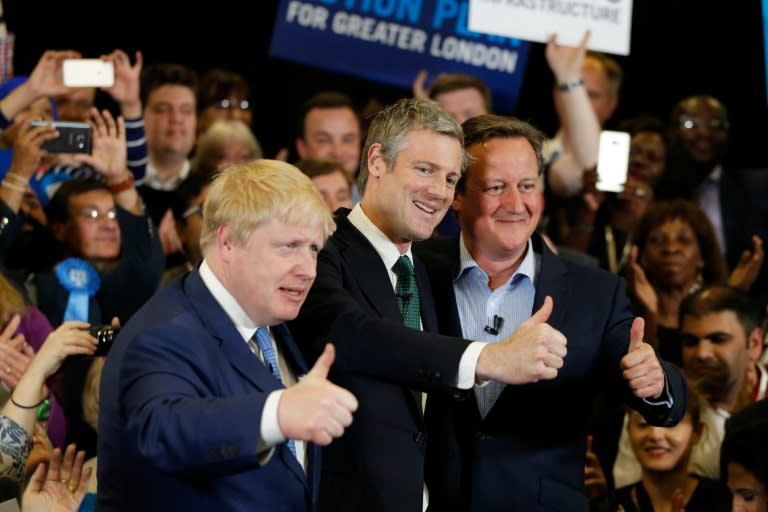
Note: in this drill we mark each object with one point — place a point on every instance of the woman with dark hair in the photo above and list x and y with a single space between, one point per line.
664 454
674 253
744 460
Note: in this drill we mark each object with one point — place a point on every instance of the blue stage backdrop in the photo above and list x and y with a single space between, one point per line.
389 41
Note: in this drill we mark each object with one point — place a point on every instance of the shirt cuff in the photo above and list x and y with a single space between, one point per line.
468 365
666 397
271 434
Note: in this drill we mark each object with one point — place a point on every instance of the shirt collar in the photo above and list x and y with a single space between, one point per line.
716 174
153 180
386 249
527 267
244 325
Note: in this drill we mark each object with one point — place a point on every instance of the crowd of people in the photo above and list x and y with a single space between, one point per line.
435 308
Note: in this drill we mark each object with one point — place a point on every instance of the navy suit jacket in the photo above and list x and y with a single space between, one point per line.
378 465
181 403
528 454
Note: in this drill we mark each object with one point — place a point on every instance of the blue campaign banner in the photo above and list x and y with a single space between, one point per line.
390 41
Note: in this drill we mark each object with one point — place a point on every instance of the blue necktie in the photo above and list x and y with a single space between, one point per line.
270 359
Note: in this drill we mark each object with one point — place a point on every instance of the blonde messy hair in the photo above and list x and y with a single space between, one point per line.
245 196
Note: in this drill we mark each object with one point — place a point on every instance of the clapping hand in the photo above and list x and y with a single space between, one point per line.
59 487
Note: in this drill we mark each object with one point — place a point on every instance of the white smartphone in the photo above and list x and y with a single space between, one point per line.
88 73
612 160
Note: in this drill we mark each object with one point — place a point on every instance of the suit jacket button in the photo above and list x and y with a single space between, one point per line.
420 437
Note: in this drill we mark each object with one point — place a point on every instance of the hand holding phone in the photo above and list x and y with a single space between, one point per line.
88 73
612 160
73 137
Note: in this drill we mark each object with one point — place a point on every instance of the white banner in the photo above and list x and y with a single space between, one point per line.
536 20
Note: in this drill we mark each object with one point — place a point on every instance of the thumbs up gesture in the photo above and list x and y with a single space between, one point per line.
641 367
315 409
535 351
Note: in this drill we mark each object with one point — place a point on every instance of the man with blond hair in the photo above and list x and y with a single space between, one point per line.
203 403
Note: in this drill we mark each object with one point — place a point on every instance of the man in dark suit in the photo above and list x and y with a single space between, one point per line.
381 317
201 403
730 197
522 447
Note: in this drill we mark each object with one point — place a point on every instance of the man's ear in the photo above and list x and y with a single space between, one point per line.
301 148
376 164
755 344
223 242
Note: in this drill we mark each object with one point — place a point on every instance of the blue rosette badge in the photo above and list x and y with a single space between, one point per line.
82 281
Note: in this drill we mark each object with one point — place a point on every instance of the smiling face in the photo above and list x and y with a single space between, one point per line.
661 449
91 231
407 198
702 127
502 200
331 133
271 274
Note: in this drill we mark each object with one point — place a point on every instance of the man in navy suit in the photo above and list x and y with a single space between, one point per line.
388 352
201 403
522 447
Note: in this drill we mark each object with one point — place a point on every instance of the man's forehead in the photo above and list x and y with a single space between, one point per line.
723 321
91 198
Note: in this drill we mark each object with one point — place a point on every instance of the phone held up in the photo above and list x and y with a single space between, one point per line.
612 160
73 137
88 73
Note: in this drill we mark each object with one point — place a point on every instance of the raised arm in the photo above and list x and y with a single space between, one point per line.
45 80
579 122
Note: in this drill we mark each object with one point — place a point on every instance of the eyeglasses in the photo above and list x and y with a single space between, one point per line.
690 123
192 211
225 104
95 214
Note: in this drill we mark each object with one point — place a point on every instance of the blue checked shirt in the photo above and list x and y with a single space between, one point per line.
478 305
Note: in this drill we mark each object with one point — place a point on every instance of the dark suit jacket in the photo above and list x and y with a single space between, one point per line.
181 403
745 213
378 465
528 453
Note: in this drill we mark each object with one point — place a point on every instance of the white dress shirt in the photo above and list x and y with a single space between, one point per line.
270 433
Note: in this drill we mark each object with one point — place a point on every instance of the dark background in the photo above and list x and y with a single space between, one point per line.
679 47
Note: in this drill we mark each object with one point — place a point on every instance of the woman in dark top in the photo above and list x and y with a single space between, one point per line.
665 484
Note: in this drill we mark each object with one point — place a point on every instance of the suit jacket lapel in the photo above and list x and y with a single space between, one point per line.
550 282
290 351
369 271
222 329
373 280
236 351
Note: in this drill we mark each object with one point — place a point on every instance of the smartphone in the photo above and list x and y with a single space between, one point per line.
88 73
612 160
73 137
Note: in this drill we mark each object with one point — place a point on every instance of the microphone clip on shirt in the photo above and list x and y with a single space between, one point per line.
498 323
